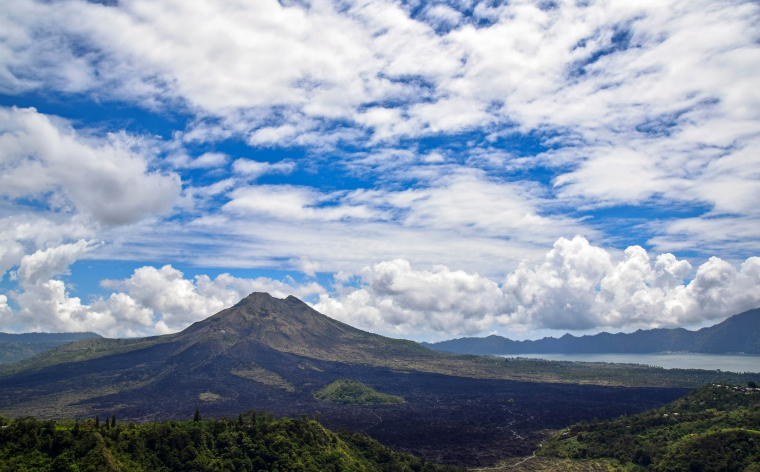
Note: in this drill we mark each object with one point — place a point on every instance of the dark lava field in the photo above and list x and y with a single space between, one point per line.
451 420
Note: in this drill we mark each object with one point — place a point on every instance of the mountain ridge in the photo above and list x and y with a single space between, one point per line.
737 334
15 347
46 337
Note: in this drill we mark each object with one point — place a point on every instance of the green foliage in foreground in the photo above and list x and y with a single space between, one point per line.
714 428
254 442
351 392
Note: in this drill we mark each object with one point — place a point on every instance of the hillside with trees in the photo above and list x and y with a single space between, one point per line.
714 428
15 347
351 392
251 442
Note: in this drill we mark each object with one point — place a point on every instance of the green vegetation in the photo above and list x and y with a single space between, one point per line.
715 427
15 347
12 352
351 392
254 441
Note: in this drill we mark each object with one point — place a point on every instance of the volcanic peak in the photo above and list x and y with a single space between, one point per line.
288 325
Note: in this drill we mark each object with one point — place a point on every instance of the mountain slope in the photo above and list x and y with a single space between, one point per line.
737 334
46 337
14 347
715 427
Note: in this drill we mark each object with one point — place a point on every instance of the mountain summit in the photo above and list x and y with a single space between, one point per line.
290 325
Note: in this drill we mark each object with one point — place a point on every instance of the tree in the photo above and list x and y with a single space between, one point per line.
113 421
97 422
240 419
197 416
751 384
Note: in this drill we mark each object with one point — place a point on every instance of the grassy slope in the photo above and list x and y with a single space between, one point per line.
12 352
351 392
80 351
253 442
712 428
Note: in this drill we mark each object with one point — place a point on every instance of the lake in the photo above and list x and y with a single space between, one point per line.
725 362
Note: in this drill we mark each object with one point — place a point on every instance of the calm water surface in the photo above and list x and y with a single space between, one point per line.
725 362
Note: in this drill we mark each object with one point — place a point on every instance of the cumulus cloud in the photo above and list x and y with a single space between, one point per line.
5 310
396 299
26 232
107 178
151 301
45 304
577 287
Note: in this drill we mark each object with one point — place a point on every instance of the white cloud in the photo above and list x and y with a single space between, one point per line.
151 301
45 304
308 267
293 203
396 299
5 310
42 265
577 287
110 179
443 15
26 232
253 169
48 307
635 95
204 161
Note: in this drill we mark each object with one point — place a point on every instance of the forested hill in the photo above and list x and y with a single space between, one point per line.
254 441
738 334
716 427
14 347
46 337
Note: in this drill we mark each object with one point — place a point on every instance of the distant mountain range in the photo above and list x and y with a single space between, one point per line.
738 334
14 347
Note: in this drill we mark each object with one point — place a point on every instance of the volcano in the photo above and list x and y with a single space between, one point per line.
273 354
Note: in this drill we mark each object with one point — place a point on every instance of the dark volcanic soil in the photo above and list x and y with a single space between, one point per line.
447 419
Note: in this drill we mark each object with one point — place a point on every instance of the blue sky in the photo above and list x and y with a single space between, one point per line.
418 169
